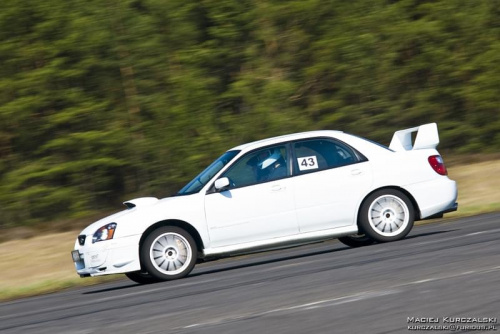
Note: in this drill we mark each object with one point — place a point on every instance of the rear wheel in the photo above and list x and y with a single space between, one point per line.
168 253
356 240
387 215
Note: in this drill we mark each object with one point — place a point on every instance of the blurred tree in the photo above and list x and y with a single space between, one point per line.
62 147
106 100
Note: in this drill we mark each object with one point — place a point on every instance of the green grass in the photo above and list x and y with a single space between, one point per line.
473 210
52 285
40 263
478 187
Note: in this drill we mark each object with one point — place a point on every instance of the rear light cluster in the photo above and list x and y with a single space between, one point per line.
437 164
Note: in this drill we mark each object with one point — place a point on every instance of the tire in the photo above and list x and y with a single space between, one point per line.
357 240
387 215
141 278
168 253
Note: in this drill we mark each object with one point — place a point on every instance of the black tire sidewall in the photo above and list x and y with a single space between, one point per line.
364 223
356 242
146 261
141 278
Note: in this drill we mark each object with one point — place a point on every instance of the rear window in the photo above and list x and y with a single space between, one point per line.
319 154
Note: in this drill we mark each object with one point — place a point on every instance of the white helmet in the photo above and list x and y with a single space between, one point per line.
270 159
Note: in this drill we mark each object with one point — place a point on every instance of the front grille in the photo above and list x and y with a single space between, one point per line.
81 239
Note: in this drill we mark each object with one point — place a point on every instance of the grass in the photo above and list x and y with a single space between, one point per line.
478 187
42 264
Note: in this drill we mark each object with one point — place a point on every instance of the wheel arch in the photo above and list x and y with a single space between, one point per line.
404 191
178 223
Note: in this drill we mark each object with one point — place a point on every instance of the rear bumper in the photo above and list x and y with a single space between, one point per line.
441 214
435 197
452 209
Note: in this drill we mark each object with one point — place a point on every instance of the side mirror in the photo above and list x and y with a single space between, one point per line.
221 184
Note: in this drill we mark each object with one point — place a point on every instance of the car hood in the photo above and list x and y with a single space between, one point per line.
141 202
133 206
144 211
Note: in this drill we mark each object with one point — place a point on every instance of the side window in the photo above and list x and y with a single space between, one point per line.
319 154
260 166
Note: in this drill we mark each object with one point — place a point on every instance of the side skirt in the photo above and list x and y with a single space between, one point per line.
276 243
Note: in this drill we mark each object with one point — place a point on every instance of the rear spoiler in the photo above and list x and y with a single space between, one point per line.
427 137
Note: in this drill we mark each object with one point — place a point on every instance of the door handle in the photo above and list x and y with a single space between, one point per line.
356 172
277 187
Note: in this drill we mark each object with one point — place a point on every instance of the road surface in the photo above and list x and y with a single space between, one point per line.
438 273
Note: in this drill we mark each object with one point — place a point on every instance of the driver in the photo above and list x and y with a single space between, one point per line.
268 165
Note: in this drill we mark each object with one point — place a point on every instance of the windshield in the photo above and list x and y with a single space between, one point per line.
202 179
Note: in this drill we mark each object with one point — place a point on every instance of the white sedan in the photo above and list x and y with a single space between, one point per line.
272 193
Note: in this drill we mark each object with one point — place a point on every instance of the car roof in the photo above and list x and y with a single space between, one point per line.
286 138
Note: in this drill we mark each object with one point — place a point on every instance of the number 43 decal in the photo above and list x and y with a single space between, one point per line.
306 163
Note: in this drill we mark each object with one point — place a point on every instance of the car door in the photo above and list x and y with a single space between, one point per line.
331 179
258 204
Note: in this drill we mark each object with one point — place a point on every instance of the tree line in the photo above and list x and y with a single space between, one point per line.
101 101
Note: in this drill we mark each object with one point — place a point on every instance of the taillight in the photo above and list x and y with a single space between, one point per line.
437 164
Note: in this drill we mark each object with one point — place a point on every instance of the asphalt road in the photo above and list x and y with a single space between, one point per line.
449 269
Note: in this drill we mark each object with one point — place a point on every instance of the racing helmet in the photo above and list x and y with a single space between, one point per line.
272 158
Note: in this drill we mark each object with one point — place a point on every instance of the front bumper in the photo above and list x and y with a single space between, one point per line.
114 256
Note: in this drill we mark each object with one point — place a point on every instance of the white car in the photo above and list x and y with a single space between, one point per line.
272 193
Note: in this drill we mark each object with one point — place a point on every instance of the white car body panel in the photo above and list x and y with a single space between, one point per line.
143 201
124 247
291 210
251 213
433 196
348 186
136 220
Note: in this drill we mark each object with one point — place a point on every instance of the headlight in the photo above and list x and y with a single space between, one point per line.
104 233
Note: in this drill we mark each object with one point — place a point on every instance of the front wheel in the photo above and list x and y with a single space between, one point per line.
387 215
141 278
168 253
356 240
